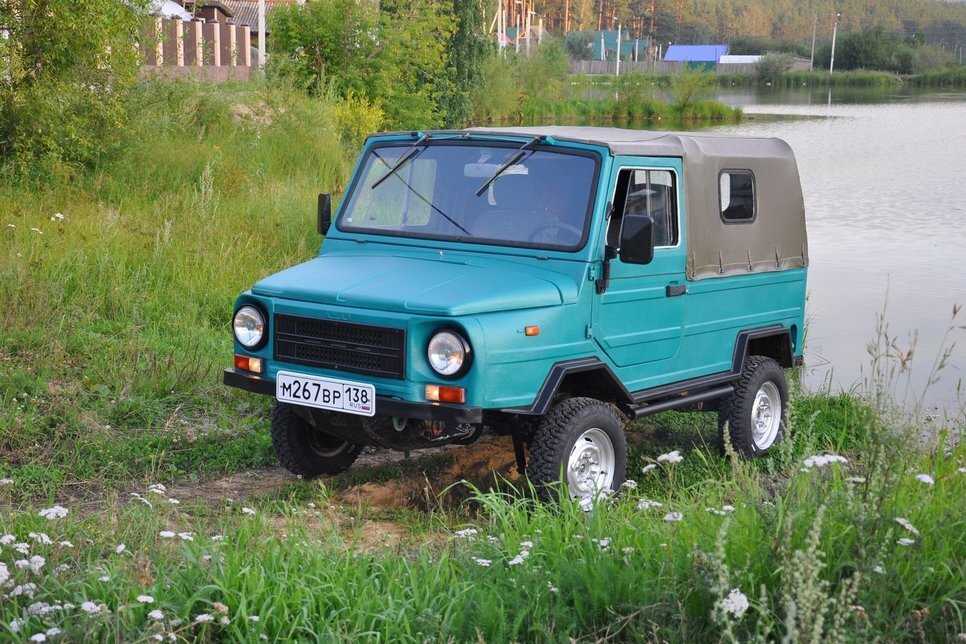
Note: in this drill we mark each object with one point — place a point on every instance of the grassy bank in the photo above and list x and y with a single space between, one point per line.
118 286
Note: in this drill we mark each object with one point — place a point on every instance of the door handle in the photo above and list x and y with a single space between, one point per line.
674 290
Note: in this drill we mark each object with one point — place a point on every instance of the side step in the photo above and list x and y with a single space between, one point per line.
682 401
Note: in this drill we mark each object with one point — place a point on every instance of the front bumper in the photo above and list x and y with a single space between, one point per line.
385 406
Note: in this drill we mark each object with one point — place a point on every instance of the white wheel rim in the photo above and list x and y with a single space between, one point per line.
591 464
766 415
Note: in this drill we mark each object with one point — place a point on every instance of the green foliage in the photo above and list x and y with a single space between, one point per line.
66 69
579 45
395 56
468 51
772 67
690 86
867 50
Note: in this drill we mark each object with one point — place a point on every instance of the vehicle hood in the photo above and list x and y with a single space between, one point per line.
431 286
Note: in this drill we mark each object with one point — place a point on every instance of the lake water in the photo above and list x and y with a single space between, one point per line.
884 177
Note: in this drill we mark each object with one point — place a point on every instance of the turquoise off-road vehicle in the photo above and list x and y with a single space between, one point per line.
549 283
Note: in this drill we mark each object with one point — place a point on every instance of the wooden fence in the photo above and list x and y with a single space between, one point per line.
213 51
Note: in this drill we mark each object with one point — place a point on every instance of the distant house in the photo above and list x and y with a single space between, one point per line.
236 12
705 56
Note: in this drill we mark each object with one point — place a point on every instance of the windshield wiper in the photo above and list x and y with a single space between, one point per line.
521 151
410 153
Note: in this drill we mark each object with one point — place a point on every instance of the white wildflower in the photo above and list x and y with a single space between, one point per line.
62 568
218 537
66 544
247 511
673 516
671 457
140 498
467 532
156 615
253 618
482 562
22 548
878 569
11 225
856 479
493 539
40 537
7 539
56 512
907 525
27 590
174 501
187 536
821 460
15 626
146 599
203 618
37 230
205 558
603 543
120 548
728 508
166 534
647 504
90 608
905 541
59 216
158 489
224 621
526 544
53 631
4 573
158 637
40 608
36 563
735 603
520 558
925 478
551 587
648 468
104 578
630 484
961 470
38 637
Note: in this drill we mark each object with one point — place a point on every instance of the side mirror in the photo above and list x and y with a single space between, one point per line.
637 239
325 213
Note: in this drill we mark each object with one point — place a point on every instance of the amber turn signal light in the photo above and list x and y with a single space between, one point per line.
248 363
445 393
531 331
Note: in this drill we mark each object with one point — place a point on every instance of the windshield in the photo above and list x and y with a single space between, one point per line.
541 200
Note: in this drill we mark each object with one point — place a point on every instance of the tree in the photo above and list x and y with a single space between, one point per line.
65 69
467 51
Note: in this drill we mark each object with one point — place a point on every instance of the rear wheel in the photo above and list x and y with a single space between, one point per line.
304 449
756 411
581 443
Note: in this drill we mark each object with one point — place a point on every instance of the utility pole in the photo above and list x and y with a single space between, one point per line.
831 64
811 61
617 70
261 34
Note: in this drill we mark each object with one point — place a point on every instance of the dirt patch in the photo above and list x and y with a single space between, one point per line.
480 464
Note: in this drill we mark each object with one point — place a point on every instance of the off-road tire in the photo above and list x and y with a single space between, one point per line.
554 444
750 412
305 450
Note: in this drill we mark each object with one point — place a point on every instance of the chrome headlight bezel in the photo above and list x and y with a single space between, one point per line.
449 354
250 326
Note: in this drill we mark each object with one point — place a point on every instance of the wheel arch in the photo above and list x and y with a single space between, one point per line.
773 342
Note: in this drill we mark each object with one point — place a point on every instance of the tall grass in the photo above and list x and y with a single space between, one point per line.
118 286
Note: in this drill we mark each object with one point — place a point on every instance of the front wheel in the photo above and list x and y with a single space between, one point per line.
306 450
581 442
756 411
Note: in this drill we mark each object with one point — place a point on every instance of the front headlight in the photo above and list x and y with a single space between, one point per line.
249 324
448 353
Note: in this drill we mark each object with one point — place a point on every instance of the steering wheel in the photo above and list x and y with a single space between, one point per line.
576 232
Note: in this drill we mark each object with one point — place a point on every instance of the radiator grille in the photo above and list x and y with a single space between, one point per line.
355 348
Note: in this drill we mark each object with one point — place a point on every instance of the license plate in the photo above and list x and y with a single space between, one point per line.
326 393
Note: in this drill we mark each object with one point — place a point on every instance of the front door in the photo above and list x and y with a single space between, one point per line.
639 319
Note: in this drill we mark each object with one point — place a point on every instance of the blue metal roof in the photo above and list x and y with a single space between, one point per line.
695 53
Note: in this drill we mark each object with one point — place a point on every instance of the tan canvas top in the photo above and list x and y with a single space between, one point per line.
774 240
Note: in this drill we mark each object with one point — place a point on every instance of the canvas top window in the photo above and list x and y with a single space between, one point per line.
737 196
